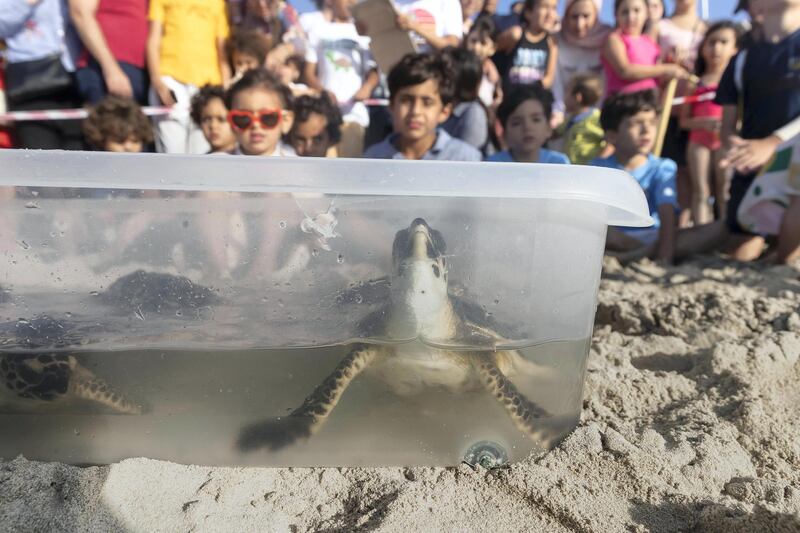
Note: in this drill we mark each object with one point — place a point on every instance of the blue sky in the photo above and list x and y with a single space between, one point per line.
719 8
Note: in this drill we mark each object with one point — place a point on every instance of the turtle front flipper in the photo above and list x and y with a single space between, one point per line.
313 413
525 413
84 384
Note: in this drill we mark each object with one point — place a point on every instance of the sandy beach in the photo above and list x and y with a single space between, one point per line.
690 423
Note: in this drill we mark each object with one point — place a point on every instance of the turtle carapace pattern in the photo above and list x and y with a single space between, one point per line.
156 292
40 373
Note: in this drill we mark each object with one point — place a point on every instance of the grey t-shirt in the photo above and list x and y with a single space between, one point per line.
446 148
469 123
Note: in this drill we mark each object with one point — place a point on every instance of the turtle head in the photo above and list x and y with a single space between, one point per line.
419 268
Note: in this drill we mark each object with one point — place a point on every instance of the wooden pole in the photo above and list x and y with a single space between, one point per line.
661 132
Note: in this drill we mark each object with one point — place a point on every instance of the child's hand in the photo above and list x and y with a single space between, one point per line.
749 155
164 94
118 83
677 72
405 23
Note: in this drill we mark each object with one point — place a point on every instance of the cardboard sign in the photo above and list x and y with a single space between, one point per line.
388 43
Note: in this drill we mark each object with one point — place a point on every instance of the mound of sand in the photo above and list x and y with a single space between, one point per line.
690 422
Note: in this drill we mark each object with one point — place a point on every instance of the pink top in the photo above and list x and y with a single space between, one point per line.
641 50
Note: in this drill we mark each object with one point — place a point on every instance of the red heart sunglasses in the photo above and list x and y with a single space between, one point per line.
242 119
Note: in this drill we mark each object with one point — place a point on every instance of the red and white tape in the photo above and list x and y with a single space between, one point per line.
694 99
153 111
69 114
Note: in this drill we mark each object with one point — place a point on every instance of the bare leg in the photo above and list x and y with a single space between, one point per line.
699 160
683 182
722 182
789 237
619 241
700 239
745 247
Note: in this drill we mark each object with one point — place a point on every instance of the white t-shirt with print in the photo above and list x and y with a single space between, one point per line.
442 15
343 62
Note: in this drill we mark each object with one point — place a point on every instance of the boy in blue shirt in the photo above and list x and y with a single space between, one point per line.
421 88
525 115
629 120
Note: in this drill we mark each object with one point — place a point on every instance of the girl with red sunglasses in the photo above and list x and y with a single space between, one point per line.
260 114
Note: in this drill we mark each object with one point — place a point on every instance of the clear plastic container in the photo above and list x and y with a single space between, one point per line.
238 310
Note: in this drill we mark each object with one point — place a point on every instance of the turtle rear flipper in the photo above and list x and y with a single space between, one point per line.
313 413
84 384
527 415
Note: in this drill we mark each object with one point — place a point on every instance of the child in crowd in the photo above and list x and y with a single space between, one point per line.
421 92
655 13
317 126
260 114
479 41
245 50
338 61
185 50
117 124
584 138
579 42
291 74
210 114
525 114
703 119
630 56
468 121
762 81
528 52
629 120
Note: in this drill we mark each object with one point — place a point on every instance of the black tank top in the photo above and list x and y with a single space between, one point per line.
527 62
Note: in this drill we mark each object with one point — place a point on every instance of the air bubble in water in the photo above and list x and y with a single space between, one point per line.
282 224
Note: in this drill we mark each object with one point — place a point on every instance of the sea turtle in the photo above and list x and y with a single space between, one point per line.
419 306
48 375
142 291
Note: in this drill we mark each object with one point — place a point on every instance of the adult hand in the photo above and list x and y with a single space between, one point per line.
749 155
164 94
117 82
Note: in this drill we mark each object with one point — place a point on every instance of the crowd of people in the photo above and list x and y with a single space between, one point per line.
255 78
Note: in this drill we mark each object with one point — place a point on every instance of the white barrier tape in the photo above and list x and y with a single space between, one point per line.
68 114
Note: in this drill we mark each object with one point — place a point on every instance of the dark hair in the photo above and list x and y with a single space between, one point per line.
305 105
117 119
200 100
484 27
415 69
250 42
468 72
298 62
522 94
528 5
618 2
700 63
259 78
622 105
588 85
